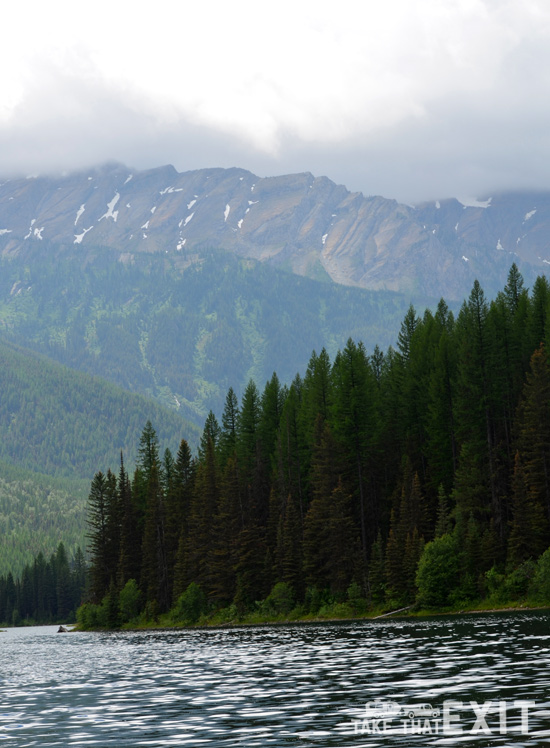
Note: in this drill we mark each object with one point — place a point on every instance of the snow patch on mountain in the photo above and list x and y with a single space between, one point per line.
111 213
169 190
79 237
79 212
33 221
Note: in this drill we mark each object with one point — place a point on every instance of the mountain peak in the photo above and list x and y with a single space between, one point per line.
298 222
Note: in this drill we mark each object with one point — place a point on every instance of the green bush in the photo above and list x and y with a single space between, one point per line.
539 589
280 600
355 598
437 573
88 616
517 583
315 598
129 601
190 605
494 582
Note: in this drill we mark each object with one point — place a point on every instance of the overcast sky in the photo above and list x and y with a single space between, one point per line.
410 100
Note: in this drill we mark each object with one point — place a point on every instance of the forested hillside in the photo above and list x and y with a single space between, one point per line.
180 328
36 511
63 423
57 426
420 473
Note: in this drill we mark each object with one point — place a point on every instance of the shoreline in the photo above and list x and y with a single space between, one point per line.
159 626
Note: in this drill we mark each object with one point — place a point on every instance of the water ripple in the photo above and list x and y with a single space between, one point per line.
296 685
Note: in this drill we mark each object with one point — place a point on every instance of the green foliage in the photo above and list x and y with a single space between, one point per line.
280 600
190 605
437 572
129 601
87 617
517 583
356 599
540 585
494 581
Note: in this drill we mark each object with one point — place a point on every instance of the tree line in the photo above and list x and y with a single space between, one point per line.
422 473
47 591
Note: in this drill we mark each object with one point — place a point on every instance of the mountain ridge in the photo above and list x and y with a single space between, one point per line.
300 223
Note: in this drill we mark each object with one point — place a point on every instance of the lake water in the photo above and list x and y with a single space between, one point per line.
296 685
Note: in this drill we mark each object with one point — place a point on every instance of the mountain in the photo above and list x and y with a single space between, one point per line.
304 224
182 333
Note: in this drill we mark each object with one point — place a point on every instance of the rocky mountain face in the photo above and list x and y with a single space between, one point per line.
301 223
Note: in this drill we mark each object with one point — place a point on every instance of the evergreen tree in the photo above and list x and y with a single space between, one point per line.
129 563
154 570
353 423
534 432
230 419
98 536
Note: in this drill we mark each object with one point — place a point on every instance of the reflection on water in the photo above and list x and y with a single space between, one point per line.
300 685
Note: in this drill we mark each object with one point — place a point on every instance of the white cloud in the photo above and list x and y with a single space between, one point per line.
419 93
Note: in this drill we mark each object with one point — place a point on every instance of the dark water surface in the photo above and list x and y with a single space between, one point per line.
299 685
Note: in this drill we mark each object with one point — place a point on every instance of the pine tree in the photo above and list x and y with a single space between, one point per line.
211 433
324 479
203 510
353 423
377 576
291 547
230 419
98 536
129 563
63 583
529 525
534 433
292 446
226 525
443 524
154 570
344 560
178 498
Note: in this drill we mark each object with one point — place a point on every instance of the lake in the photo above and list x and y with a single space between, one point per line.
476 680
